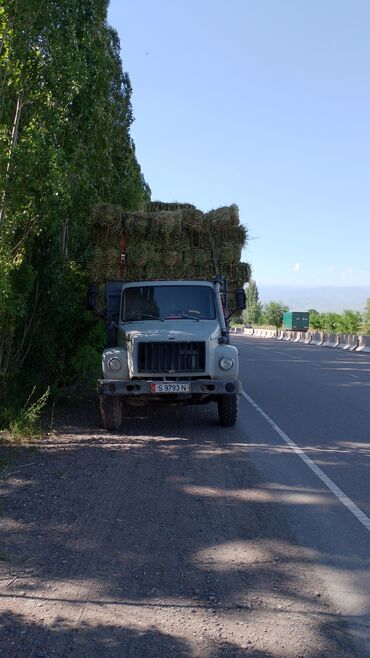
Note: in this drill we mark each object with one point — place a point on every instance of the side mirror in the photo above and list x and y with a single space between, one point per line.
240 298
92 292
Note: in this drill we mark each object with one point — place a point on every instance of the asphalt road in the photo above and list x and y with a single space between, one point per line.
320 400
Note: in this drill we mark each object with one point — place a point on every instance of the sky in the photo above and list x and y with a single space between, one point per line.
266 104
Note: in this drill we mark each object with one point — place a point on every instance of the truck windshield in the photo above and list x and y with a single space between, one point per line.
168 303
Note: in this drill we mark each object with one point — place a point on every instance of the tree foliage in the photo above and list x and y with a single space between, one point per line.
348 322
317 320
65 144
367 317
273 313
253 311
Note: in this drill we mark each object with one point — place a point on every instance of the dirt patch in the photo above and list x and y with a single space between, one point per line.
156 541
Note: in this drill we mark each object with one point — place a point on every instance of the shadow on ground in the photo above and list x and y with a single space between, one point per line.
154 542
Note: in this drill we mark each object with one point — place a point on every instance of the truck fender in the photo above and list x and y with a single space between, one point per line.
111 356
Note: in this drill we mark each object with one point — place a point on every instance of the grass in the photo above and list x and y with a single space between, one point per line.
27 422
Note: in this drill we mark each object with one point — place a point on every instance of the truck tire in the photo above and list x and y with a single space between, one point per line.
228 410
111 413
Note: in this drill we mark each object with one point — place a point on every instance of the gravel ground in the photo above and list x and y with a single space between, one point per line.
156 541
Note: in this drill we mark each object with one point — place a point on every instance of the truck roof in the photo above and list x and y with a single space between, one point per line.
165 282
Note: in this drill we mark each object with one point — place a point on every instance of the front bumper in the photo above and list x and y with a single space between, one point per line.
139 387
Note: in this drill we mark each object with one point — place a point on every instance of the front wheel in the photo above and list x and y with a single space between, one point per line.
228 410
111 412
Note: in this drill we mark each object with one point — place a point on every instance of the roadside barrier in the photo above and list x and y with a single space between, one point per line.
348 342
261 333
363 344
318 338
331 340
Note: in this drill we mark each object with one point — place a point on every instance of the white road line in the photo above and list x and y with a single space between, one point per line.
347 502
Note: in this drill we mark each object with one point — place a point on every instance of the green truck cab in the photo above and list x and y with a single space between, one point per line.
296 320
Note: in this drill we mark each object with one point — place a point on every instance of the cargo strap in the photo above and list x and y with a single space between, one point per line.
122 262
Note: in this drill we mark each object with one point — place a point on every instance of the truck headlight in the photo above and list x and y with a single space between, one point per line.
115 364
226 363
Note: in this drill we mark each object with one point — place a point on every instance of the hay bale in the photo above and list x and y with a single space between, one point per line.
154 206
137 255
170 240
168 223
135 224
234 214
229 253
173 258
192 219
106 217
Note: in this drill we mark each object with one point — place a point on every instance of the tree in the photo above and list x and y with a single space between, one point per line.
331 322
273 313
350 322
316 320
367 317
65 144
253 311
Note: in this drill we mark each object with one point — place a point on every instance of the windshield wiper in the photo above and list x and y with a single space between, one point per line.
180 316
144 315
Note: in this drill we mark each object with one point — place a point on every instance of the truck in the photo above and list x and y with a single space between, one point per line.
296 320
168 344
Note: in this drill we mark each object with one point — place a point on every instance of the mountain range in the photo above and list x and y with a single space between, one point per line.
323 299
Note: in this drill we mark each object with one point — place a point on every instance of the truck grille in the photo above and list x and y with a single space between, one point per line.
172 357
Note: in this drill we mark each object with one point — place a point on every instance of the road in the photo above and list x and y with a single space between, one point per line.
176 537
320 398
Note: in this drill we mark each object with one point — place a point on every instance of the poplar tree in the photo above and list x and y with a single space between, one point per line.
253 311
65 145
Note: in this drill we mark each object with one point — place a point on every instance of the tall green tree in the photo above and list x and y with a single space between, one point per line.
65 145
252 313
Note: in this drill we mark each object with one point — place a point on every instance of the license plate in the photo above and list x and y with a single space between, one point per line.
170 388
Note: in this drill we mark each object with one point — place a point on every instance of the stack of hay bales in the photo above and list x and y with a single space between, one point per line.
168 241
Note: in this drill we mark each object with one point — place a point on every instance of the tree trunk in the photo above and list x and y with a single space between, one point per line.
65 235
13 144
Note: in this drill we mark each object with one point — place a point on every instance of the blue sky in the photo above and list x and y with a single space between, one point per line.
263 103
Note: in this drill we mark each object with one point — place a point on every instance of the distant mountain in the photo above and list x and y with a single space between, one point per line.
335 299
